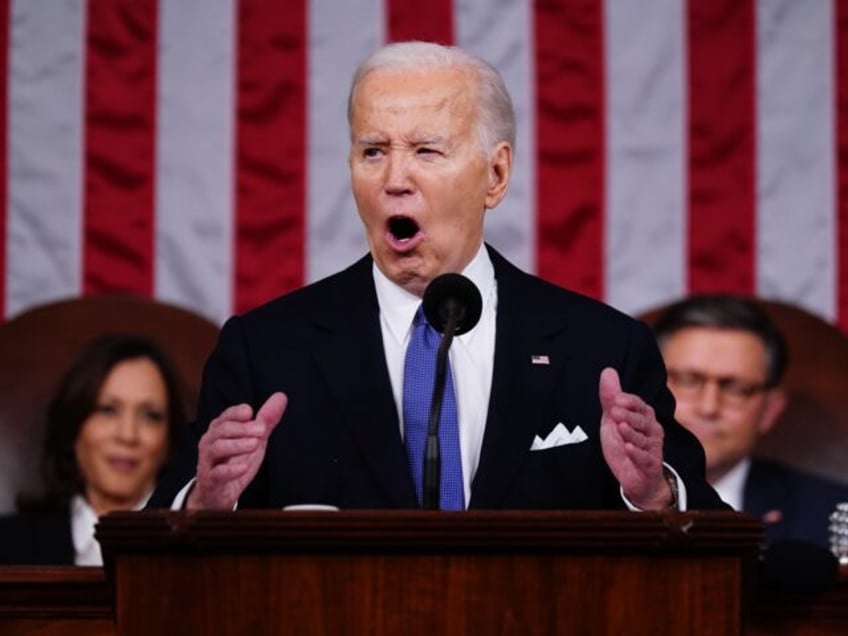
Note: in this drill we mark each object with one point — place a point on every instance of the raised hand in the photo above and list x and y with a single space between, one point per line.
632 443
230 453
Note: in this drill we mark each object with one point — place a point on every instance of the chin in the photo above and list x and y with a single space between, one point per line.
406 274
413 283
125 491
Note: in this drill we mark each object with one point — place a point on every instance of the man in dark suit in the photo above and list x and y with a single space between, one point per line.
725 361
303 400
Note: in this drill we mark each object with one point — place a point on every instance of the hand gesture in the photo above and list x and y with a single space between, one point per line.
632 443
230 453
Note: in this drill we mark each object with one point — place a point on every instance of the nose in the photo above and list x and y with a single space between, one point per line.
708 401
127 429
398 177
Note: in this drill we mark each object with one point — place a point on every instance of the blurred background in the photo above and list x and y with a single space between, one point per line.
194 151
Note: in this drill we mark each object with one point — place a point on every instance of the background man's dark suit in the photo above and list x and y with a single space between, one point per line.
794 505
339 441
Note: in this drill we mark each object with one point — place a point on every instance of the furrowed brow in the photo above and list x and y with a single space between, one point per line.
371 141
435 140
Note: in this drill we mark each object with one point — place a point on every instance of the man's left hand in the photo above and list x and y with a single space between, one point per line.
632 443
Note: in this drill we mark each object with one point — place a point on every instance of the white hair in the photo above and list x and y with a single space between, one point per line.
495 119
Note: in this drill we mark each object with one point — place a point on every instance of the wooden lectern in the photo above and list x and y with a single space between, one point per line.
411 572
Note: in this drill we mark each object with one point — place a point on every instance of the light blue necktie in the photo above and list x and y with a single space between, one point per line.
418 378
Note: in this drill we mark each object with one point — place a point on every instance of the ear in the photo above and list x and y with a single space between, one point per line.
775 404
500 170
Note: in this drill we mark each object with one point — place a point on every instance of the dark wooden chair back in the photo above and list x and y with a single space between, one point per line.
813 432
38 346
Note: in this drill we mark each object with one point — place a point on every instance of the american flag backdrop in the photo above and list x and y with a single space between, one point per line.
195 150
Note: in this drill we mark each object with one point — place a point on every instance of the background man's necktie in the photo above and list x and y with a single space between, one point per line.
418 379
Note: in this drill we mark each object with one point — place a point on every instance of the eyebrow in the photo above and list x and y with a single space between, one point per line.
431 141
714 376
371 141
420 141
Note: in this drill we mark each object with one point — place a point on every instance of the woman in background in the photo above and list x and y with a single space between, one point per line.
110 430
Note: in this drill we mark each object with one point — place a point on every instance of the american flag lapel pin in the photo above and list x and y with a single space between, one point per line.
540 359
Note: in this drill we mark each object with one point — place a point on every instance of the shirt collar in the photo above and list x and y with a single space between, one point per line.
398 306
731 486
83 520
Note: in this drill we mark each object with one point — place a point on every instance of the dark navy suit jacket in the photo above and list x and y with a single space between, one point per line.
37 539
793 504
339 441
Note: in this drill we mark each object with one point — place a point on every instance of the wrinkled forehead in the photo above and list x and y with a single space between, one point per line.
450 88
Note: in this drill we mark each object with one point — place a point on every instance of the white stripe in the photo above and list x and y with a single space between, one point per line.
194 162
46 63
501 32
646 177
341 34
646 153
796 219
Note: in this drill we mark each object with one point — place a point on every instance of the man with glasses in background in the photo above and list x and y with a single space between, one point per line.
725 361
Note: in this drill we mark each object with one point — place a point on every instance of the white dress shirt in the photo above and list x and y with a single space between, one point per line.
86 547
472 356
731 486
83 520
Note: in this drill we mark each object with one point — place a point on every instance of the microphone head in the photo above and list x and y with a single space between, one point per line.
798 566
452 299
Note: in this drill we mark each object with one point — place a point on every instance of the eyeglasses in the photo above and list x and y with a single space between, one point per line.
734 391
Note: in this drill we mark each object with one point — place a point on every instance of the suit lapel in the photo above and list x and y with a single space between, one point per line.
765 491
349 351
521 389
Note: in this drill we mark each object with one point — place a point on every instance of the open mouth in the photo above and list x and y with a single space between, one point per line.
402 228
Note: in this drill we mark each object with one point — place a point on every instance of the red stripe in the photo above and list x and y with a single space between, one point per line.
841 40
120 125
270 150
4 166
722 194
431 21
570 141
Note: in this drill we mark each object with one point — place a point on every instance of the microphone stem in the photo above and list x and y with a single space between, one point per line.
432 470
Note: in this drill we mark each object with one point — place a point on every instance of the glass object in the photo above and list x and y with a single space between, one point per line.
839 533
734 391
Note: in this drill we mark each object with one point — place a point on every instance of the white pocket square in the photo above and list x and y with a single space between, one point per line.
559 436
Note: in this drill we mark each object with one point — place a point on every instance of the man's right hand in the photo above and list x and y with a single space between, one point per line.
230 453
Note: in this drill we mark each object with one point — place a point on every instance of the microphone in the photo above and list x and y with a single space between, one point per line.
452 306
791 565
